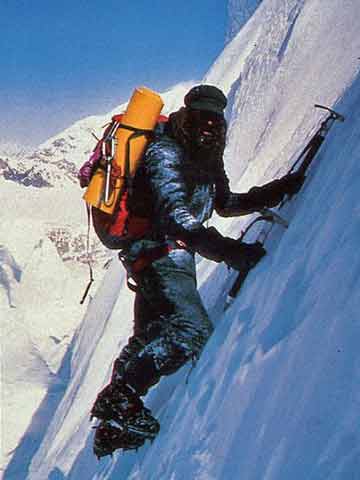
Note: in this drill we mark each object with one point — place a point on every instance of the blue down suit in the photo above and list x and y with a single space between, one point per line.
179 190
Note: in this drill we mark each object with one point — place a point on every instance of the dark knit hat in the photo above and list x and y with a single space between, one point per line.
206 97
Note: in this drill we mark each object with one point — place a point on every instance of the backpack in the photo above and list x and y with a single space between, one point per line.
115 229
110 171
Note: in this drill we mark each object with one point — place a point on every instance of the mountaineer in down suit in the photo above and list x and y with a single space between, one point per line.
181 182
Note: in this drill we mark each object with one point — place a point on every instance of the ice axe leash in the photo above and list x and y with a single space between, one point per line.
270 217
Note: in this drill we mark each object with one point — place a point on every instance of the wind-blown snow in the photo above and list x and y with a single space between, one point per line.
275 394
239 13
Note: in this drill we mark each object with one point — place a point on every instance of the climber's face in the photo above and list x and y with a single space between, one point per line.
208 129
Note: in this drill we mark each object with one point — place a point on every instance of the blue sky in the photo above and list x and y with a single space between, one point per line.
63 60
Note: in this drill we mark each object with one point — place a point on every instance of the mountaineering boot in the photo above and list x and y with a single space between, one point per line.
125 420
116 402
109 437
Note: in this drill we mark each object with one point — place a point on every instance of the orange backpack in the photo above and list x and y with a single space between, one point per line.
115 229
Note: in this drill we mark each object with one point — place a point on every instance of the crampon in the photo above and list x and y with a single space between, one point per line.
111 436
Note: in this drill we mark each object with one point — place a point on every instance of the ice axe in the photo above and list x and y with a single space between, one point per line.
304 160
307 155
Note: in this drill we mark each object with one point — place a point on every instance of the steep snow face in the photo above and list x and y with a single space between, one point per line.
239 12
274 57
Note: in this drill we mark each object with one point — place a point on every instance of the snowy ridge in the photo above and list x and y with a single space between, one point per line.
55 163
239 12
275 394
78 141
273 54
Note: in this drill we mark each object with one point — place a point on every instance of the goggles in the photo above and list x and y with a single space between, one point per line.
208 128
205 120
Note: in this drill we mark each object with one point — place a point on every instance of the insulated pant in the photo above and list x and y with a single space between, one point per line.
171 323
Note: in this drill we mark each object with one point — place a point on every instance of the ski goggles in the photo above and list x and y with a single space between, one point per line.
207 121
208 128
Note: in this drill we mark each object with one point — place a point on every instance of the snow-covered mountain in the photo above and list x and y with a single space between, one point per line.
275 394
56 161
13 168
77 141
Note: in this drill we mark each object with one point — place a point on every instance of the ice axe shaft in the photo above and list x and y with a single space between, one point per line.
311 149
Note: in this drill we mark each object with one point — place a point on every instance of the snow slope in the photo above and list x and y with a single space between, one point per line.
275 394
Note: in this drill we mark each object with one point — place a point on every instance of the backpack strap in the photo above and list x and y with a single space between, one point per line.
136 132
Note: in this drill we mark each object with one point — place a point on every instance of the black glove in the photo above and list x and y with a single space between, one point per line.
292 182
272 193
243 255
211 244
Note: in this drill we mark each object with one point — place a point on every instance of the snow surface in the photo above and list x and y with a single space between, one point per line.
239 13
275 395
